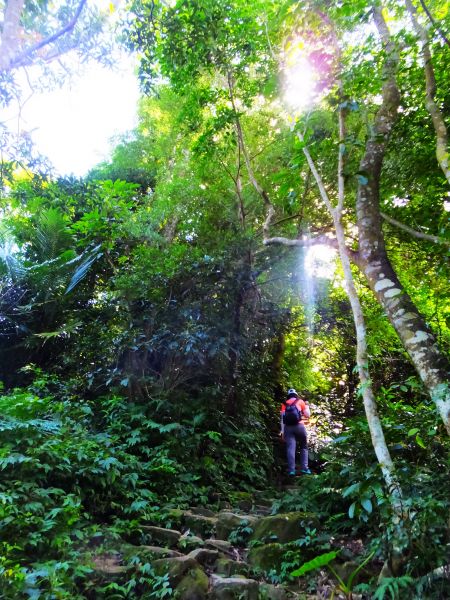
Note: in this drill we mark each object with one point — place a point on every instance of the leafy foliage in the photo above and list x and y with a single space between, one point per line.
147 335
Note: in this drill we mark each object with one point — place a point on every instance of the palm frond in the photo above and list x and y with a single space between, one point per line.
82 270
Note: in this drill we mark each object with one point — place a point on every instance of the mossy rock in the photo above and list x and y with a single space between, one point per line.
243 500
223 546
345 570
233 588
228 567
267 557
262 509
161 536
199 524
193 586
148 552
200 510
190 542
108 567
267 591
285 527
228 522
175 517
204 556
176 567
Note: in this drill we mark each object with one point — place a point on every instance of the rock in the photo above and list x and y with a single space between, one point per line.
108 566
262 497
228 522
233 588
148 551
204 512
193 586
285 527
229 567
266 557
175 517
221 545
268 591
190 542
243 500
204 556
262 509
199 524
165 537
176 567
345 570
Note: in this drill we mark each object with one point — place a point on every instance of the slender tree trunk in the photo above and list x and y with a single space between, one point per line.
442 149
410 326
362 360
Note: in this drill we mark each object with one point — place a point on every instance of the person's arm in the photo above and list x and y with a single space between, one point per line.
282 422
305 409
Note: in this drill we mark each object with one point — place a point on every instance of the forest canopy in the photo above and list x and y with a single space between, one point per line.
277 219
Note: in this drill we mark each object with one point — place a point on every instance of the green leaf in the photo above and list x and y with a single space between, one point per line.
315 563
366 503
351 510
412 432
351 489
84 267
420 441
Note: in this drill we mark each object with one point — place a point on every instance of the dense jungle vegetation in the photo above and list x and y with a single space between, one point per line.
278 218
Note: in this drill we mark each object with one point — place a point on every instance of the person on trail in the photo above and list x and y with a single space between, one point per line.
293 411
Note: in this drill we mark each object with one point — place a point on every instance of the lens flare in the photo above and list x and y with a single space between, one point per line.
298 77
299 86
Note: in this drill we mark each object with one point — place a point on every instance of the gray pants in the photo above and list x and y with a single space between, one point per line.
292 435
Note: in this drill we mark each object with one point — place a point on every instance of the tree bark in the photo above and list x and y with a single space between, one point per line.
409 324
362 360
442 149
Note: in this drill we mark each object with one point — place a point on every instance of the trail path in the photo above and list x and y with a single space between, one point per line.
225 554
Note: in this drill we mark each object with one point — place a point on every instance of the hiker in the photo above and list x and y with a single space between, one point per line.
293 411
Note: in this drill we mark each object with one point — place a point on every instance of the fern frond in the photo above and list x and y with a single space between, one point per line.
51 236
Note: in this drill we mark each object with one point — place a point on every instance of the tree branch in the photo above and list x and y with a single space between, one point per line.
414 232
25 57
301 242
320 240
433 22
261 191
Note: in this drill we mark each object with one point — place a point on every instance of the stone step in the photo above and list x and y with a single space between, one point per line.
200 560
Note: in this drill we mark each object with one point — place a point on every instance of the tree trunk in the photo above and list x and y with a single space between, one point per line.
410 326
412 330
362 359
442 150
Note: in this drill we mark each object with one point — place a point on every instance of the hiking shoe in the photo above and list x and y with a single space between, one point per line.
305 472
291 473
